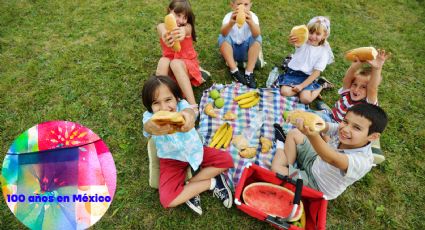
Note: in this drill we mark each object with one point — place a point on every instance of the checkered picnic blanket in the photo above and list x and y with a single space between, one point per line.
253 123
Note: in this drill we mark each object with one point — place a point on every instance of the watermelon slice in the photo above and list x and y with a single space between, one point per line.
271 199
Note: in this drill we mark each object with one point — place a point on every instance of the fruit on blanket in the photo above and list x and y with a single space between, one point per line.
240 142
250 104
166 117
229 116
248 100
240 17
245 95
222 137
301 33
313 121
170 24
285 114
266 144
362 53
271 199
301 222
219 102
249 152
209 110
214 94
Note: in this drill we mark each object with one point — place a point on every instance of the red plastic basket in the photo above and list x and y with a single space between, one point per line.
315 204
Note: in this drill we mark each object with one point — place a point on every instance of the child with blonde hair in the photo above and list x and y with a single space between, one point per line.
308 61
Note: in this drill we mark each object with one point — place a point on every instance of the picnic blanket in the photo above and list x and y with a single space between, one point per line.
253 123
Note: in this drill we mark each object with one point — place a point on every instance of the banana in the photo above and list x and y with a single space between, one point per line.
245 95
229 136
219 135
251 104
247 100
224 138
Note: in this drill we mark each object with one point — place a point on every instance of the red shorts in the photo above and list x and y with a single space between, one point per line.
172 173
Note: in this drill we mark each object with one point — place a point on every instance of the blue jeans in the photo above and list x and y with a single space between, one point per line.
240 51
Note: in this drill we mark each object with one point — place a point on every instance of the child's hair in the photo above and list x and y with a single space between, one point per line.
375 114
365 71
321 24
152 84
183 6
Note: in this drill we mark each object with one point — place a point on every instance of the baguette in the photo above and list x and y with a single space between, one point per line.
240 17
300 32
362 53
311 120
170 24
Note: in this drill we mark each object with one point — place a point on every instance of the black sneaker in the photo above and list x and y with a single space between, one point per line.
278 133
195 204
285 62
250 81
205 74
325 83
222 191
238 77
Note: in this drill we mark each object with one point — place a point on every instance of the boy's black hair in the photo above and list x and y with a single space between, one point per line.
375 114
151 85
183 6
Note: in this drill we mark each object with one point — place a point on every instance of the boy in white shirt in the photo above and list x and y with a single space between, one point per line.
241 44
331 167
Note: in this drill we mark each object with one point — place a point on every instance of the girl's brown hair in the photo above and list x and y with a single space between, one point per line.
318 27
152 84
183 6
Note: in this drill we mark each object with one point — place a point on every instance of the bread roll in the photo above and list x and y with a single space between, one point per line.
300 32
240 18
363 53
170 24
313 121
165 117
249 152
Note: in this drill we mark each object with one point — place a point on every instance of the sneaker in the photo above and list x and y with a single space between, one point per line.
250 81
238 77
205 74
321 105
325 83
195 204
278 133
222 191
285 62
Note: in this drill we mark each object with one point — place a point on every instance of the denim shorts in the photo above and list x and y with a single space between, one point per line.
295 77
240 51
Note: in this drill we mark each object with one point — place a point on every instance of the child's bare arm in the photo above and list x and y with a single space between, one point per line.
376 77
313 76
225 29
255 28
164 35
351 73
327 154
179 33
189 118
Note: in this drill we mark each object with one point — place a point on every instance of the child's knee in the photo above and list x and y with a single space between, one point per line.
286 91
176 63
305 99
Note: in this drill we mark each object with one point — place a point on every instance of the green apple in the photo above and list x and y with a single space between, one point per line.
219 102
214 94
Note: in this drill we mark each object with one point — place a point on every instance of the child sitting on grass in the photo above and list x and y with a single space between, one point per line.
241 44
360 85
308 61
331 167
182 149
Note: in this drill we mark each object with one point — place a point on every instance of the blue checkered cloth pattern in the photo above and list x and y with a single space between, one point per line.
253 123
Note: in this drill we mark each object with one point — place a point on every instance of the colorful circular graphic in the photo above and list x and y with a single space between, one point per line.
58 175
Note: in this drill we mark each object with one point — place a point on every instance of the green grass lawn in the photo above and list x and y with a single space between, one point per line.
86 61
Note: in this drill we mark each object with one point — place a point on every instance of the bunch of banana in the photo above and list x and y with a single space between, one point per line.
248 100
222 136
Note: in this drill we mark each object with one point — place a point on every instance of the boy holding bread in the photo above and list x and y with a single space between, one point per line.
331 167
240 40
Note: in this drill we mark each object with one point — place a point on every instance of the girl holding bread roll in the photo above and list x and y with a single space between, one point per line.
309 60
179 58
179 146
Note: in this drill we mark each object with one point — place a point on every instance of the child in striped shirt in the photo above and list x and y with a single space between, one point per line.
331 167
360 85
